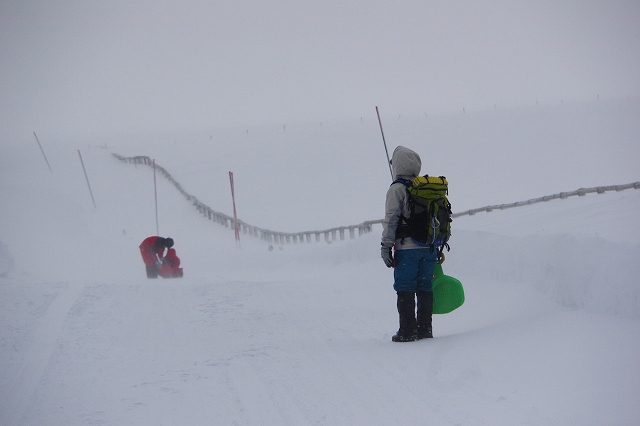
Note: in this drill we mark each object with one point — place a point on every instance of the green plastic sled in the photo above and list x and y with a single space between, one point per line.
448 293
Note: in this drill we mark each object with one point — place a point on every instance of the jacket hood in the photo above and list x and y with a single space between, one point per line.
405 163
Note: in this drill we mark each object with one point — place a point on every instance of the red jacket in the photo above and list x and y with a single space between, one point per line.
171 259
152 250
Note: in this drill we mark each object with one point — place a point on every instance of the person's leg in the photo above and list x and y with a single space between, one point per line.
405 272
405 282
150 263
425 315
407 313
424 293
152 271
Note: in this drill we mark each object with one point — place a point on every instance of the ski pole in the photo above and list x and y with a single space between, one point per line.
384 142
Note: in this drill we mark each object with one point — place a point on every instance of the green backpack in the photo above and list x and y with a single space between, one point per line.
429 222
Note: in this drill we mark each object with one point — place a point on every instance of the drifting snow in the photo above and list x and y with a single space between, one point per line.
301 334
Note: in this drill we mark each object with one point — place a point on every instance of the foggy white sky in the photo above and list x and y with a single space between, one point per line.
73 67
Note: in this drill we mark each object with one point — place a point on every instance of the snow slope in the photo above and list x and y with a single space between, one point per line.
301 334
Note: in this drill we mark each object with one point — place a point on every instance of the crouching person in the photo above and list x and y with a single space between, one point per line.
152 251
170 265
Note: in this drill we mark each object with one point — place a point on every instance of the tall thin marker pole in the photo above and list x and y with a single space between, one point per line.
155 192
42 150
87 178
235 216
385 143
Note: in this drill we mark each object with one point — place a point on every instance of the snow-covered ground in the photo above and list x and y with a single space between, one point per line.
300 334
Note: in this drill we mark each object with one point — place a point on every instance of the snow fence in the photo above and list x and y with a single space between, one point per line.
333 234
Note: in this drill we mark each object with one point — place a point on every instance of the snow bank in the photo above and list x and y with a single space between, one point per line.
576 271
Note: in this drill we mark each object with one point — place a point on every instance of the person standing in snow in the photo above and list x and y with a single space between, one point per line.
152 251
413 264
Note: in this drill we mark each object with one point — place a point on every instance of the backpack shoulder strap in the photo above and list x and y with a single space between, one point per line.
405 182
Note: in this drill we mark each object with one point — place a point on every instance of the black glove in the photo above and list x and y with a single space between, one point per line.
387 255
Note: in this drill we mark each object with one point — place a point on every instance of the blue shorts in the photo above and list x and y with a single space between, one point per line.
414 269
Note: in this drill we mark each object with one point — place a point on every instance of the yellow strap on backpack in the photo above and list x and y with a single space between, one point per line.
440 180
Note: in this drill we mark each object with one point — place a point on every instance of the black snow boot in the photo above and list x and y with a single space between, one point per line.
425 313
407 312
152 272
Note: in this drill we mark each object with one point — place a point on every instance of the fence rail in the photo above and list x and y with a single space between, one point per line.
273 237
333 234
560 195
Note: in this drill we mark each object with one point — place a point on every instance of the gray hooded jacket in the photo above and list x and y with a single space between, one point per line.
405 164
